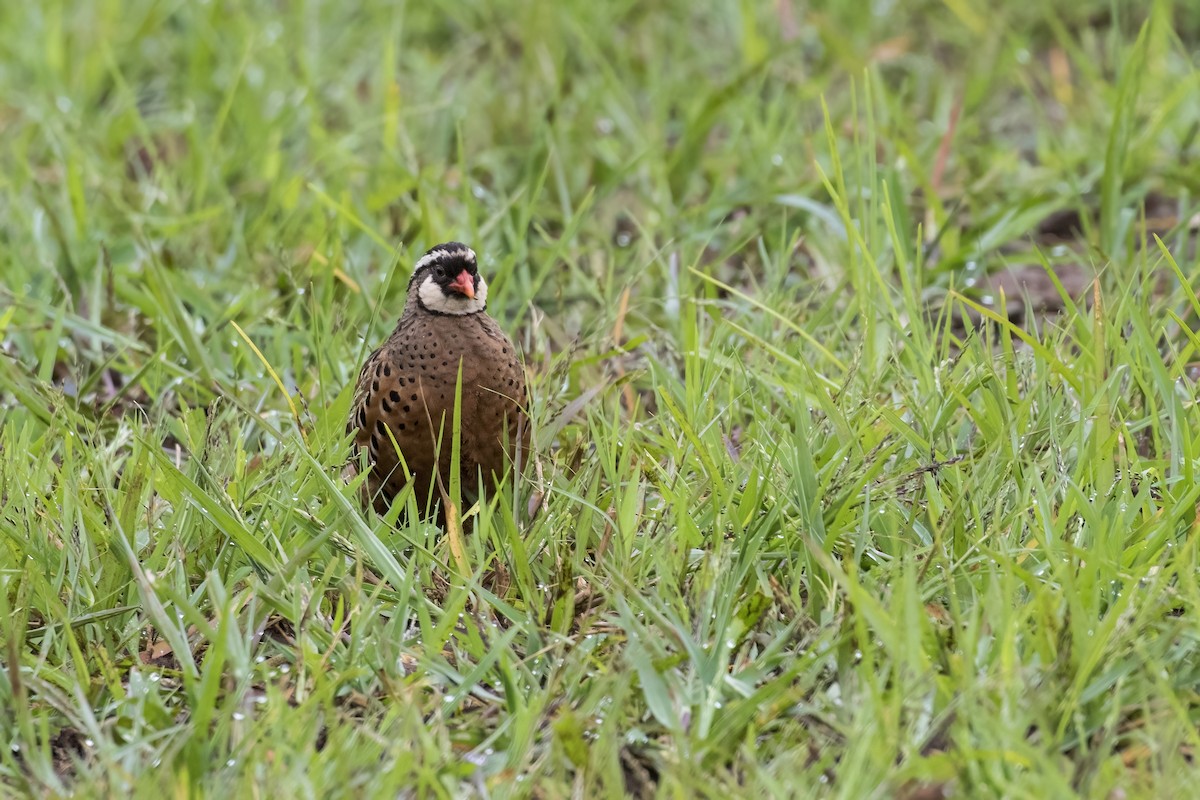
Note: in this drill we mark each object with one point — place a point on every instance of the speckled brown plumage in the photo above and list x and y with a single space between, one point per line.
406 390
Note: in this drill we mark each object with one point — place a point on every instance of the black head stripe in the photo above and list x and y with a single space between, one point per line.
446 253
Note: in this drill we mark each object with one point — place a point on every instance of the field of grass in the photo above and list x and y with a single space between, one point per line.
828 507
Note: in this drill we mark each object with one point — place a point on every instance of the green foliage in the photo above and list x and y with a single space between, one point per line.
802 531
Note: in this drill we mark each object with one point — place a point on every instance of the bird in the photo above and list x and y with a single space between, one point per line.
403 402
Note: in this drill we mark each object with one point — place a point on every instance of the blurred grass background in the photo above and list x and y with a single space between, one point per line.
861 337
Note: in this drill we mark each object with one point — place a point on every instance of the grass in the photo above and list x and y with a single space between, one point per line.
823 514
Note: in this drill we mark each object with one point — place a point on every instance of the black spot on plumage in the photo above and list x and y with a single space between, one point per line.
387 370
375 386
400 426
387 407
394 396
381 428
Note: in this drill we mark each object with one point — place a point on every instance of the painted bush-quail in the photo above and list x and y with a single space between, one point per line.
406 388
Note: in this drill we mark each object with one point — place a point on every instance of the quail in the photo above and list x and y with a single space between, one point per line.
404 400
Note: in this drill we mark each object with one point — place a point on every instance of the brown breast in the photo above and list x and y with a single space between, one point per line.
406 388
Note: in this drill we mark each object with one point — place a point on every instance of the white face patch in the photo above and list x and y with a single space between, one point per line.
457 305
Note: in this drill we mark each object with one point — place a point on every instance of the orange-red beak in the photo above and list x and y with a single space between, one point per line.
464 284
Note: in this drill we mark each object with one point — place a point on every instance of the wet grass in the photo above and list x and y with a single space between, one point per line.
818 516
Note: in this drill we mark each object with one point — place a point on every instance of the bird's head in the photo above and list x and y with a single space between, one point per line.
447 281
